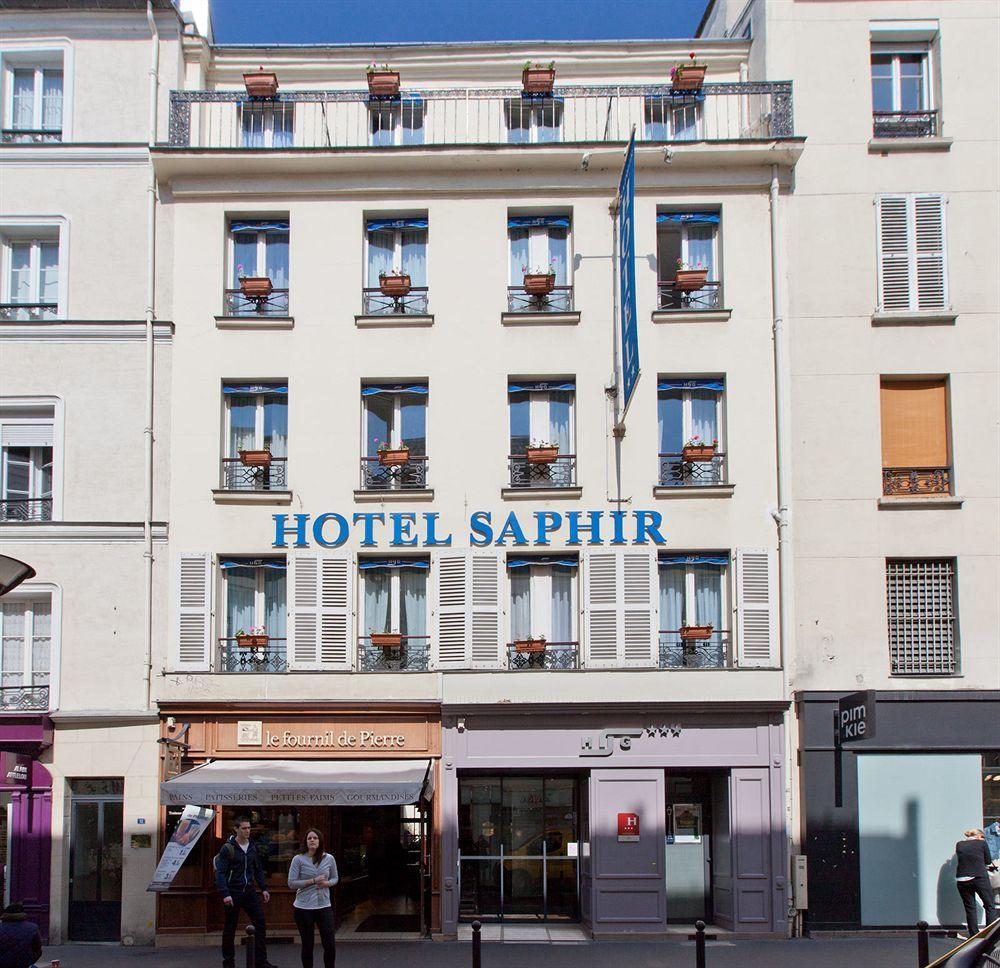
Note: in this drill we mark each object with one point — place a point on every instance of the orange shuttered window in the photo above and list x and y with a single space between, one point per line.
914 423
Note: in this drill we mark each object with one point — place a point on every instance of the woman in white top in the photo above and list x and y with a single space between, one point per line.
312 873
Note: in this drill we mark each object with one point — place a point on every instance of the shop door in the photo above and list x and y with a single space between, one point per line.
722 854
95 885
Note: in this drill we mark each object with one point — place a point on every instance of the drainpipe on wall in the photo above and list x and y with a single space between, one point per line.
147 522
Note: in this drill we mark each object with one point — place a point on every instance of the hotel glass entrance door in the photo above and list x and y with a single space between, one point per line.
95 886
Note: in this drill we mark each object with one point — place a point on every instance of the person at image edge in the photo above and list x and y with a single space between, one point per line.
972 877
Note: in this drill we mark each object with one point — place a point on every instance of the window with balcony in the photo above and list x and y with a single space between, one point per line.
687 260
254 606
542 433
30 289
267 125
395 615
256 436
397 121
689 418
543 612
258 258
34 100
915 444
396 259
539 257
920 597
912 269
25 652
395 433
693 609
26 464
901 91
674 117
533 120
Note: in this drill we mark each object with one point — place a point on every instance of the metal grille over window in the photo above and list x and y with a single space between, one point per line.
921 614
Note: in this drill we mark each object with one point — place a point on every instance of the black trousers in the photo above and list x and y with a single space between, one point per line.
968 891
250 902
307 921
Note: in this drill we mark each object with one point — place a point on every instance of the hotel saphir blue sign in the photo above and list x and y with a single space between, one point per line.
405 529
626 277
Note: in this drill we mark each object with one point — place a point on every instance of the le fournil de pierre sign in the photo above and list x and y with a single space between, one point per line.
410 530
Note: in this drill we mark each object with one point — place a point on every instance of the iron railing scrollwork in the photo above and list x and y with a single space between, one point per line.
237 476
904 124
31 136
28 312
555 655
560 472
710 653
376 476
560 300
376 303
411 655
675 471
236 304
708 297
24 698
237 658
26 509
916 480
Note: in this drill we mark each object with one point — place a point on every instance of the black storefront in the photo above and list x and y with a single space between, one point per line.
879 827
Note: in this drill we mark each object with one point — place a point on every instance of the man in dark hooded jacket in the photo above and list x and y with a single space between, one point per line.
20 939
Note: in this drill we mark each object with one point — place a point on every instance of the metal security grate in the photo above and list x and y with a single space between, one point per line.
921 613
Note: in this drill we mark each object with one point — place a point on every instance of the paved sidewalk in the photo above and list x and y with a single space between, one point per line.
800 953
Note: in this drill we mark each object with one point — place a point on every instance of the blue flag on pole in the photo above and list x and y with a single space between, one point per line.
626 278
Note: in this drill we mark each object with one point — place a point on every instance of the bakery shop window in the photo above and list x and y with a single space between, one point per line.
275 832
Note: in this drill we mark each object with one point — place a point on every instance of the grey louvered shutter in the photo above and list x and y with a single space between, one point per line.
755 618
601 611
319 626
451 639
639 621
193 588
932 287
486 610
894 282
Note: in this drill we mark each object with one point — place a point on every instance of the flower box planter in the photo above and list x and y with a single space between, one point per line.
690 77
698 452
261 83
538 80
692 633
252 641
529 645
394 457
383 83
688 280
394 285
542 455
387 640
539 284
255 458
255 287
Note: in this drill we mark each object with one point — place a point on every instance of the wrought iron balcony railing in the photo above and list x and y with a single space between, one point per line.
237 476
28 312
376 476
730 111
13 136
916 480
710 653
555 655
375 303
675 471
560 300
16 699
26 509
709 296
411 655
905 124
560 472
236 304
237 658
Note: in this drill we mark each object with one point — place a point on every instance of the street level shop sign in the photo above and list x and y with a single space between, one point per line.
856 717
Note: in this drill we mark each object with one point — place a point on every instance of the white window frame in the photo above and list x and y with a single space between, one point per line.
538 415
19 55
268 113
396 430
258 429
894 51
539 249
540 599
398 113
690 608
397 251
395 600
49 409
533 107
666 272
259 600
35 230
912 252
37 592
261 251
668 109
686 408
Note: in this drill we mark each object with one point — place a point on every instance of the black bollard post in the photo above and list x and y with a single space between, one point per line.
251 945
699 944
477 945
923 949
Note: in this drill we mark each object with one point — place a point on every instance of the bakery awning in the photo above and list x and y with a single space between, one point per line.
335 783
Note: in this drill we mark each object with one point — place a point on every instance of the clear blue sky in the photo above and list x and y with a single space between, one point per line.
381 21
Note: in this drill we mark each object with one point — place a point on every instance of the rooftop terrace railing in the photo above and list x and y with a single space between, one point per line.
727 111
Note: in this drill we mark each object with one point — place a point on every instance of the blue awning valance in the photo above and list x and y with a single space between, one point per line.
541 96
564 561
540 385
394 388
666 558
703 218
279 388
259 225
530 221
367 564
717 385
277 564
412 98
378 224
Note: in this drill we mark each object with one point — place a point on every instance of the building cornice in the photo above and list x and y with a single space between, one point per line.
84 331
79 532
78 155
610 710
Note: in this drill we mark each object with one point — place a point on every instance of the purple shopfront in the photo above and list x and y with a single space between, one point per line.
26 813
635 823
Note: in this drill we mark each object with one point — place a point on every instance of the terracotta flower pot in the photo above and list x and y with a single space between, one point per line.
383 83
688 280
542 455
394 285
261 83
529 645
692 633
387 640
700 452
255 458
394 457
539 283
256 287
252 641
538 80
690 77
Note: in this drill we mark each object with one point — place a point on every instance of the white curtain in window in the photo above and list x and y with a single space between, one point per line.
52 100
380 254
708 595
276 247
520 603
559 254
704 415
41 643
559 417
700 248
241 586
48 269
275 606
562 603
23 108
20 272
415 255
671 597
413 595
242 422
519 255
377 589
276 425
12 644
